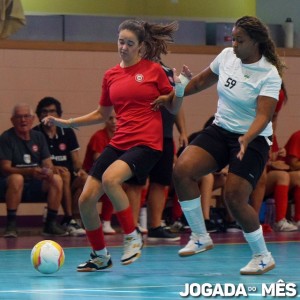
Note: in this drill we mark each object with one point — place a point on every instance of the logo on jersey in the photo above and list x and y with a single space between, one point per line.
27 158
139 77
35 148
62 147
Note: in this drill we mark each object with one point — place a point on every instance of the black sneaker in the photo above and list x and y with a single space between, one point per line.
210 226
11 230
160 233
53 229
96 263
233 227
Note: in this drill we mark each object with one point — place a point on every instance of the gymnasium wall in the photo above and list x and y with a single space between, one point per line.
74 77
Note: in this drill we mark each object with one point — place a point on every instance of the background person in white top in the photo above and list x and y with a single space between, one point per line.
248 78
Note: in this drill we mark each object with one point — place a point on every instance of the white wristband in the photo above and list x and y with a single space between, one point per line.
184 80
179 89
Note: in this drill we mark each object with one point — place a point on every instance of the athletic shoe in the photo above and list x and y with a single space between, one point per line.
132 248
96 263
196 245
210 226
259 264
177 227
233 227
11 231
284 225
74 229
53 229
164 224
161 233
107 229
298 225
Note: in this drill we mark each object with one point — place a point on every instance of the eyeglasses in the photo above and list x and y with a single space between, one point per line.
25 117
48 111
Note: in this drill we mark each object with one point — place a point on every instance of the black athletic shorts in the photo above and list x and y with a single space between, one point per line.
32 191
162 171
140 159
223 145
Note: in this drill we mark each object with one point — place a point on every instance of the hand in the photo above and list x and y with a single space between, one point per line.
186 72
162 100
81 173
42 173
52 121
281 152
183 140
62 171
279 165
243 147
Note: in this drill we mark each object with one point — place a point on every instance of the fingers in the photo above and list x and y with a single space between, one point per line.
186 72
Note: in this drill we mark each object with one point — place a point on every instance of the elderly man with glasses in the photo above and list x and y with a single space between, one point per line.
27 172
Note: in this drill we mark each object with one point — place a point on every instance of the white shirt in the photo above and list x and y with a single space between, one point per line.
238 87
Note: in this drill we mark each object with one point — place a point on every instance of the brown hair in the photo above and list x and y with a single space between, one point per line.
155 37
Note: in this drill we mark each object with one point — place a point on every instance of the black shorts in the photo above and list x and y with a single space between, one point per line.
224 146
162 171
32 191
140 159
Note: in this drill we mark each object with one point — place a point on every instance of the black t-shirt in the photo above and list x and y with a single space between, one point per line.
21 153
61 146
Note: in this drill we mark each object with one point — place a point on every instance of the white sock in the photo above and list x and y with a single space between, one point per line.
193 213
101 252
256 241
133 233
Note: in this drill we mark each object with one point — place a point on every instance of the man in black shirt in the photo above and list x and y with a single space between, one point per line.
64 150
27 171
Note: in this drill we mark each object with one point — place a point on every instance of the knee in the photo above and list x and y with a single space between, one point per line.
57 182
180 171
233 199
284 178
15 181
66 177
109 182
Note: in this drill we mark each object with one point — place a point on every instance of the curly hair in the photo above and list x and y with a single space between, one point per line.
155 37
259 32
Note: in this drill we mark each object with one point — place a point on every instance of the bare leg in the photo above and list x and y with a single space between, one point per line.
155 204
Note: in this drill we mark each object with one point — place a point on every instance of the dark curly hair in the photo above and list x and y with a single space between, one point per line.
259 32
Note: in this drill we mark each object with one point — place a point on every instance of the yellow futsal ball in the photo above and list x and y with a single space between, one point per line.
47 257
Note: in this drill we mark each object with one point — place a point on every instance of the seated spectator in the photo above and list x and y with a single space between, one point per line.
64 150
95 147
278 185
26 167
293 160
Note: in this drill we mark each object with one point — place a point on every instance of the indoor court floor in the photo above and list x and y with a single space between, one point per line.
159 274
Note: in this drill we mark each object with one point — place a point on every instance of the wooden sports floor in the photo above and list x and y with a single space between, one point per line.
159 274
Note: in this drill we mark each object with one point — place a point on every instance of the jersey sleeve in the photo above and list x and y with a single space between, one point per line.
293 145
164 85
272 85
5 149
105 98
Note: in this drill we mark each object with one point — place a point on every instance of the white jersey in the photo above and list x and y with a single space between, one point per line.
239 85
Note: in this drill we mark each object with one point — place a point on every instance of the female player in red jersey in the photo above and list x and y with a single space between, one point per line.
129 88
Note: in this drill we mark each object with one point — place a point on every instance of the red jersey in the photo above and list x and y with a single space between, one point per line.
96 144
131 90
292 147
280 102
